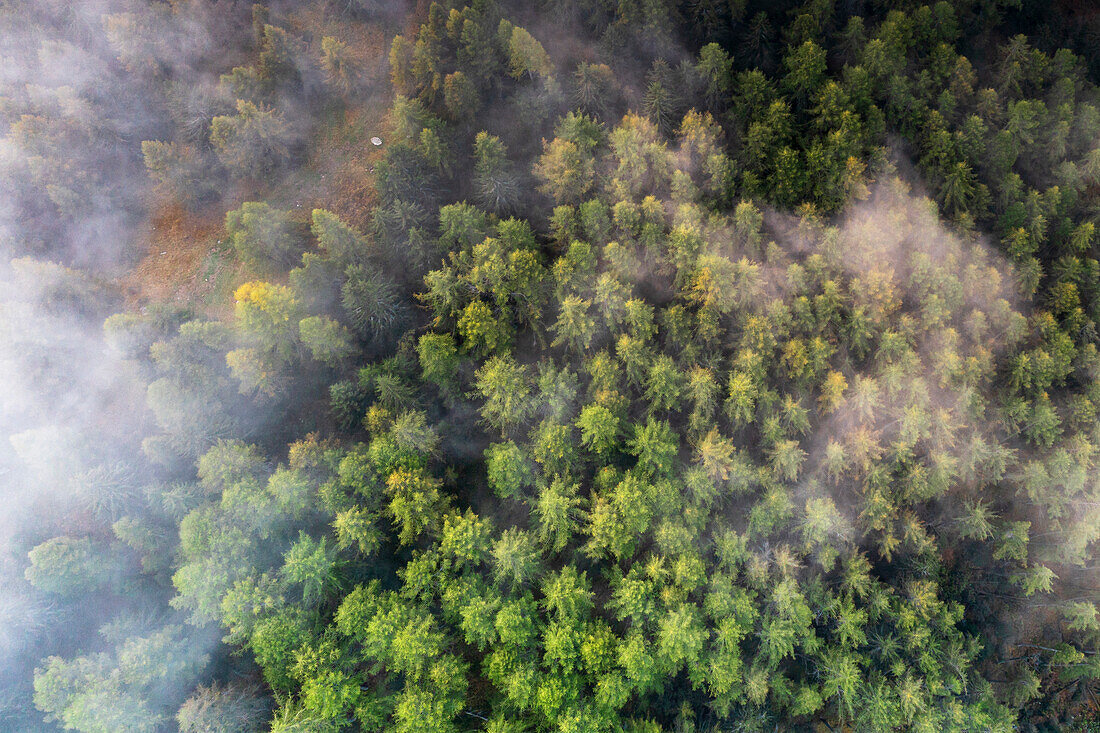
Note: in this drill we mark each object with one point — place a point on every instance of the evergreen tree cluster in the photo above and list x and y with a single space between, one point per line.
721 365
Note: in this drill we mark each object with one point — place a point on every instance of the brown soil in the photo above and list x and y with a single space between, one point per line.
178 242
349 159
185 259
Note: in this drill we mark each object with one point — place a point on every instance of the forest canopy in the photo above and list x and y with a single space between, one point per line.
581 366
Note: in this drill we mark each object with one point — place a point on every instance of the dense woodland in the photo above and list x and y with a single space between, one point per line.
572 365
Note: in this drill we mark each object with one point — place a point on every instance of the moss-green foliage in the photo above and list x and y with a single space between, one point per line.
755 390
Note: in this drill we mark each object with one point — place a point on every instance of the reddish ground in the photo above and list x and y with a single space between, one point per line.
178 245
185 260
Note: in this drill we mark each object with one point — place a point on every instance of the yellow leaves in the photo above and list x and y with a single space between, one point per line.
855 186
795 357
875 290
403 480
479 329
887 545
864 448
378 419
565 170
702 286
741 402
923 596
277 302
638 126
527 56
716 455
758 335
832 391
255 291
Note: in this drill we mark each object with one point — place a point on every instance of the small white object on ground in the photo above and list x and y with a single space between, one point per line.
376 141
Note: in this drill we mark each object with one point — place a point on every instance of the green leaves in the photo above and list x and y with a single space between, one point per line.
723 350
509 470
575 325
600 429
506 387
654 445
371 301
557 510
69 566
565 170
516 558
252 142
527 55
327 340
787 458
416 502
567 593
681 637
466 538
311 565
663 384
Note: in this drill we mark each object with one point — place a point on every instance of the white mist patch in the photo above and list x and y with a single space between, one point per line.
946 308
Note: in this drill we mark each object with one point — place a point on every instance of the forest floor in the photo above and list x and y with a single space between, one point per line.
183 254
185 259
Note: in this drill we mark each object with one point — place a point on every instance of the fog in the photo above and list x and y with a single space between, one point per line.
72 406
218 149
